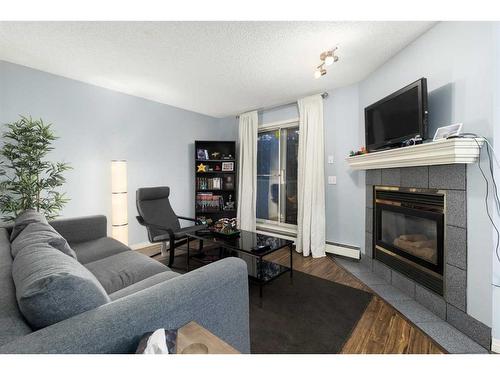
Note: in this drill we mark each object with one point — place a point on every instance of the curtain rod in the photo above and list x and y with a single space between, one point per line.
324 95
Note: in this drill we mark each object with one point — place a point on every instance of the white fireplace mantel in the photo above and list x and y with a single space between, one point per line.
448 151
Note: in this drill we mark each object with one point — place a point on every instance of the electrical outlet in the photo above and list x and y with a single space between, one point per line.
332 180
330 159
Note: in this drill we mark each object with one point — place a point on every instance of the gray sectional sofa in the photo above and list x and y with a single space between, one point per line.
119 294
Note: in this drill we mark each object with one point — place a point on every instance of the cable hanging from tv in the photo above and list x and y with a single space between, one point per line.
491 156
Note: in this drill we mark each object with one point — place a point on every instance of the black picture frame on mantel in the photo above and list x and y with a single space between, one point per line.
215 187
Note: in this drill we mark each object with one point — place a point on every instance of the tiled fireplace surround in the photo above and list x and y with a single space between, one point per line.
453 306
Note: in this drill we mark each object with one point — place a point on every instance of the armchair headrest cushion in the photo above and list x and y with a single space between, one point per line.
152 193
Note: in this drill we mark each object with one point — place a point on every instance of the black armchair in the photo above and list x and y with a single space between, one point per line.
160 220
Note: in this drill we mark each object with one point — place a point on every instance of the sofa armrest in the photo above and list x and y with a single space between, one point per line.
81 229
215 296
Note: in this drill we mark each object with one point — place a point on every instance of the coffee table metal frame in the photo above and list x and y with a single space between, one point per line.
220 241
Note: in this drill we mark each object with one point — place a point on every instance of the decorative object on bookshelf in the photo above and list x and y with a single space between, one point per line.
229 182
215 180
202 167
205 220
226 227
202 154
229 205
228 166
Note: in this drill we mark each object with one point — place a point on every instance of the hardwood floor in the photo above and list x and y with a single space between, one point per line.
381 329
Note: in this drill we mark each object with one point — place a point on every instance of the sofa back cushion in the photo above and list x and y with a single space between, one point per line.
51 286
24 219
37 233
12 323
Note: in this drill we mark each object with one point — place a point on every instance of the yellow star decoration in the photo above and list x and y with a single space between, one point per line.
202 168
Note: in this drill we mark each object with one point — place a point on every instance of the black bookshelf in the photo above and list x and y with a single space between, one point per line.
215 180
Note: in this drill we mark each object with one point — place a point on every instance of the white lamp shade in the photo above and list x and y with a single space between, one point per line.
119 211
119 201
118 176
120 234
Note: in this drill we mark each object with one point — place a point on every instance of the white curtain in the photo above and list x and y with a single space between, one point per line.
247 171
311 178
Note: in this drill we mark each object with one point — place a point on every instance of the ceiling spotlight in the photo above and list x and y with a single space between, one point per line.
327 58
320 71
331 58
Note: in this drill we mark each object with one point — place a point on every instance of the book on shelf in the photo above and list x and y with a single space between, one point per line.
205 183
209 202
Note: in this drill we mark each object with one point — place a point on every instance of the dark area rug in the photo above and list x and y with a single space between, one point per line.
304 315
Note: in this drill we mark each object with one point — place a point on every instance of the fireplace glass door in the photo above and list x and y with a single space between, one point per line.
415 235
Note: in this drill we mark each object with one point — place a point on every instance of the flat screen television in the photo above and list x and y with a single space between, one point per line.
397 117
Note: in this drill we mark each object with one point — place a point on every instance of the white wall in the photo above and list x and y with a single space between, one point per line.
457 60
96 125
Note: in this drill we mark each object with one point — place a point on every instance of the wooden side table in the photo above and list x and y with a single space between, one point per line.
192 333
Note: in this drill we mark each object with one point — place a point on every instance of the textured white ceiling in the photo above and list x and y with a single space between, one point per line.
215 68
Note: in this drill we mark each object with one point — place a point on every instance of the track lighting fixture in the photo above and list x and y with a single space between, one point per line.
320 71
327 58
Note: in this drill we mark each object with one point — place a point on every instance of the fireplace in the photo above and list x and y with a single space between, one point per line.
409 233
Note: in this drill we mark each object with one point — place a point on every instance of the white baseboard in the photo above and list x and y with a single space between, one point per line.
345 251
140 245
279 235
495 345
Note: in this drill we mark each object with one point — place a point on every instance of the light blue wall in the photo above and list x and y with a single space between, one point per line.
457 59
96 125
496 131
344 201
281 113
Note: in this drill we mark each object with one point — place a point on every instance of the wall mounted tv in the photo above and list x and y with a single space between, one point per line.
397 117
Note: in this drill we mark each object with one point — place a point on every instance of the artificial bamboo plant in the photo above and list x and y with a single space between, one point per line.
27 179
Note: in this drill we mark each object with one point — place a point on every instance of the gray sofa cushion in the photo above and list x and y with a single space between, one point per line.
101 248
24 219
51 286
121 270
144 284
36 233
12 323
81 229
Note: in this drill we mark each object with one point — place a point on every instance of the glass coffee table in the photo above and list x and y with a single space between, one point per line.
252 248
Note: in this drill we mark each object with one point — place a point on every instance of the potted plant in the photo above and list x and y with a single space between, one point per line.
27 179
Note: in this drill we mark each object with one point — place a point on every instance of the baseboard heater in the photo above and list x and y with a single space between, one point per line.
348 251
343 250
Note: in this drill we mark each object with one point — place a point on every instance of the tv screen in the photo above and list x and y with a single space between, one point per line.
398 117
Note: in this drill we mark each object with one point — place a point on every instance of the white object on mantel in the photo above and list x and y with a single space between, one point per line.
446 151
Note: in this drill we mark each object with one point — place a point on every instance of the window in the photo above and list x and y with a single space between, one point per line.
277 153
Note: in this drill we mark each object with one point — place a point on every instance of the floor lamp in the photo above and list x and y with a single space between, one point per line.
119 202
